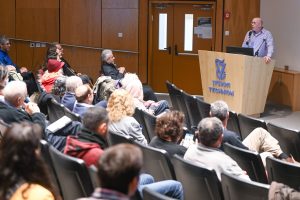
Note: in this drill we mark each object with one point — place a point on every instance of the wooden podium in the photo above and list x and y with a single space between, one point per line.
241 81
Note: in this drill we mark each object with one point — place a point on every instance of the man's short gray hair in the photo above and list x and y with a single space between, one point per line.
72 83
105 53
13 90
209 130
3 39
219 109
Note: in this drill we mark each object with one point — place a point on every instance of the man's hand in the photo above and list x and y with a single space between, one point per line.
10 68
267 59
121 69
31 108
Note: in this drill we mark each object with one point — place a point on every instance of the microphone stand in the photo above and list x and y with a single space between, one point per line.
256 53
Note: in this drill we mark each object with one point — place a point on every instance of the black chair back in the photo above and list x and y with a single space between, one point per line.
248 124
283 172
289 139
177 96
49 164
198 182
237 188
72 174
116 138
192 109
149 194
150 122
138 115
204 108
249 161
55 110
157 163
71 115
233 123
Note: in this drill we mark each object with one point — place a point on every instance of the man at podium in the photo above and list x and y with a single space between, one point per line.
260 39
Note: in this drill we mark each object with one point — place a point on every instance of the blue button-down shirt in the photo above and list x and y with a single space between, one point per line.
5 59
261 42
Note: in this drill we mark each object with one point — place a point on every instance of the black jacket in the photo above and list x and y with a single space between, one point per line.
111 70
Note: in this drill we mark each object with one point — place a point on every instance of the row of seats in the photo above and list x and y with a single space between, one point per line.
202 183
195 109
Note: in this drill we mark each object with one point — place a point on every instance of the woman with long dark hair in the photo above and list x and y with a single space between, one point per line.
23 173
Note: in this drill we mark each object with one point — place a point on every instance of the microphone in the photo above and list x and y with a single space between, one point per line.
249 36
256 53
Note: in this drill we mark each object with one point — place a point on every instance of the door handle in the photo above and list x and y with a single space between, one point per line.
169 49
176 51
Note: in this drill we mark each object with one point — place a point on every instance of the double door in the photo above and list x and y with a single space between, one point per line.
178 31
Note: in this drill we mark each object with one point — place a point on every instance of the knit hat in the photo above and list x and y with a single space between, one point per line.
54 65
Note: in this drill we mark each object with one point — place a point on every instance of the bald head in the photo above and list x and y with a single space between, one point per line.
15 93
84 94
256 24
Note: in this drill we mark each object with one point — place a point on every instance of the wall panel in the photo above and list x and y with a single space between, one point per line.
120 3
37 20
80 22
242 13
7 18
120 29
85 61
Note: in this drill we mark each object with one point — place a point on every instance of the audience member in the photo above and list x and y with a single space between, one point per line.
5 60
84 99
258 140
53 72
207 153
91 141
260 39
119 171
15 109
120 109
133 85
169 130
69 99
59 88
109 68
3 80
23 173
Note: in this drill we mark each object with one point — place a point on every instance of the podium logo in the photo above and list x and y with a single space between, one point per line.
220 69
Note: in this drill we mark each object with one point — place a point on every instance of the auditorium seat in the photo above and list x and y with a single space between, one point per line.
176 96
198 182
157 163
233 123
72 175
283 172
289 139
192 109
236 188
249 161
248 124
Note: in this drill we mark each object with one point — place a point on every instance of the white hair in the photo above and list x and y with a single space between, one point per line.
133 85
13 90
72 83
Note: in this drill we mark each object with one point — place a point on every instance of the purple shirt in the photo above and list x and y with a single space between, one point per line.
261 42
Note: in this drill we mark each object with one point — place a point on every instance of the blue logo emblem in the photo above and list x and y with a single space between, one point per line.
220 69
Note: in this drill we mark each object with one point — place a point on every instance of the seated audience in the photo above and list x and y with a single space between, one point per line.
69 99
84 99
207 152
91 141
59 88
169 130
109 68
258 140
120 109
119 171
133 85
15 109
23 173
54 70
5 59
3 80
